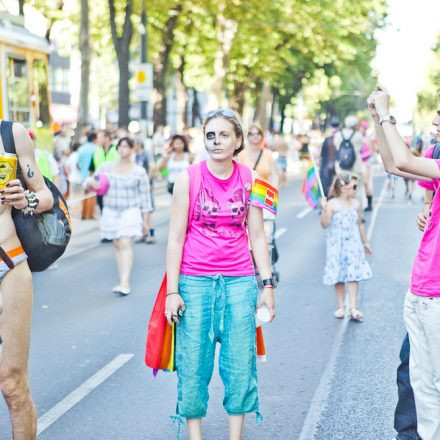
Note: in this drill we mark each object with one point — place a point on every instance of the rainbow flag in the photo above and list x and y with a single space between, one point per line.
310 186
264 196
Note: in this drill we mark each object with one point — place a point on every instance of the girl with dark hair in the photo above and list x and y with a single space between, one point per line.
212 290
347 244
127 204
178 159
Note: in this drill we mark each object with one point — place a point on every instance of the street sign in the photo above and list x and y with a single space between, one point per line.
144 81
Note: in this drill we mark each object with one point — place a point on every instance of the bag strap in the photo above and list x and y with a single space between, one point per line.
6 258
7 137
436 152
349 138
258 160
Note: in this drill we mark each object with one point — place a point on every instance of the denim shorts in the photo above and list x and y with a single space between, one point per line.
217 309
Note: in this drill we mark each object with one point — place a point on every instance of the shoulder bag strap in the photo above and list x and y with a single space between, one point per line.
258 160
7 136
436 151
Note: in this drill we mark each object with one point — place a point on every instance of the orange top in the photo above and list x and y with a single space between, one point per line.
265 165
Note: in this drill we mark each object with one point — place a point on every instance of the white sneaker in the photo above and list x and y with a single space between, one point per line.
121 290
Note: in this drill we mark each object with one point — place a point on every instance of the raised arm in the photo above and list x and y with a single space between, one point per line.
14 194
393 147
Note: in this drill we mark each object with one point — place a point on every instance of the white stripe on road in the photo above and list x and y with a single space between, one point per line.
320 398
82 391
279 233
304 212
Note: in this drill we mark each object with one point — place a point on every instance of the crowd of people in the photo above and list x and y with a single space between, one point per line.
212 291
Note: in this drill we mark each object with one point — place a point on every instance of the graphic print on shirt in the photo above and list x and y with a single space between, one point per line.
237 208
208 209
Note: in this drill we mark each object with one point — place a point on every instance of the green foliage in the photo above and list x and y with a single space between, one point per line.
320 47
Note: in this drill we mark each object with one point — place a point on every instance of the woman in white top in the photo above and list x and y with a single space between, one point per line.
127 206
178 159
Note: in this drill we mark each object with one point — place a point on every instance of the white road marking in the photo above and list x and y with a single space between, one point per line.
82 391
304 212
280 232
320 398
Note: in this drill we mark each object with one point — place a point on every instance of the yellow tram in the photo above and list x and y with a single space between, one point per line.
24 88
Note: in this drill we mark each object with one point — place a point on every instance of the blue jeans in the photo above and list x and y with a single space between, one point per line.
405 417
217 309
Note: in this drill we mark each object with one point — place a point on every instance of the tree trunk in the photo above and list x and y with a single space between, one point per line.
21 7
59 6
182 97
226 31
273 107
84 48
122 48
283 117
195 109
238 97
161 68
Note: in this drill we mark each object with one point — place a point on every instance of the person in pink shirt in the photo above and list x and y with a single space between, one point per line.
212 289
422 302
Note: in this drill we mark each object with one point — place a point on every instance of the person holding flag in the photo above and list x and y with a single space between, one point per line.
347 244
211 286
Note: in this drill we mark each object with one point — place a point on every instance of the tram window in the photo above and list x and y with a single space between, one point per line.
18 90
40 87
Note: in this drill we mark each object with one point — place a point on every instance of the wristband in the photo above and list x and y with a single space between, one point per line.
268 282
172 293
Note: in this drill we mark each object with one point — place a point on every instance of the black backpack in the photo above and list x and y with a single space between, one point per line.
346 153
44 236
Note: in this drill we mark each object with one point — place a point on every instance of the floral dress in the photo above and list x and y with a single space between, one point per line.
345 252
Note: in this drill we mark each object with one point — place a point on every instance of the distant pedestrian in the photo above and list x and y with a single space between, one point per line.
257 157
85 158
281 147
328 157
422 301
367 156
177 159
143 159
347 245
212 289
127 205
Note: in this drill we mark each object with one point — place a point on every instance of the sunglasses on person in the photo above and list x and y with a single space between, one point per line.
226 112
254 133
351 186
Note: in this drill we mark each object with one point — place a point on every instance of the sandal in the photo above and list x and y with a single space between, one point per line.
356 315
340 313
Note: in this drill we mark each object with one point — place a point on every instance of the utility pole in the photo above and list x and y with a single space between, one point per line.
144 58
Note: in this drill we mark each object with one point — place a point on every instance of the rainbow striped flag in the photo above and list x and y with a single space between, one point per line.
310 186
264 196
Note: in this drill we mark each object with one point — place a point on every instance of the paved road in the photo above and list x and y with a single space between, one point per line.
323 378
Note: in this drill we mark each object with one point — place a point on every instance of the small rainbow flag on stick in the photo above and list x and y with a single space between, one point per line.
264 196
310 186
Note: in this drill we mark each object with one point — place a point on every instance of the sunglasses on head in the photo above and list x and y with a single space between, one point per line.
226 112
254 133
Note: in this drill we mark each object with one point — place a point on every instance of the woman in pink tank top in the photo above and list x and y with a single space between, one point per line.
212 290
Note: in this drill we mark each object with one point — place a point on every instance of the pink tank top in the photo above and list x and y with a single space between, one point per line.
216 240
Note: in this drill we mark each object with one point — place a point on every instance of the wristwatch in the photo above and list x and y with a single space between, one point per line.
268 282
387 118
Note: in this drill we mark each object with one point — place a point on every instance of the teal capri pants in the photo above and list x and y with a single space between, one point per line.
217 309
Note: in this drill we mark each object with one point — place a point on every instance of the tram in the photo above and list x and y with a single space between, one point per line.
24 88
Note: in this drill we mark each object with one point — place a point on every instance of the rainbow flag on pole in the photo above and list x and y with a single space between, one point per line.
264 196
310 187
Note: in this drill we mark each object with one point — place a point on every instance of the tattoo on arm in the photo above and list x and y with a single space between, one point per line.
29 173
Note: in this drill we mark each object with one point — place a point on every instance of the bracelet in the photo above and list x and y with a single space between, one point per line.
33 202
173 293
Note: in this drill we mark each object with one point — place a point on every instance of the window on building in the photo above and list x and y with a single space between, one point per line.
59 79
18 89
40 92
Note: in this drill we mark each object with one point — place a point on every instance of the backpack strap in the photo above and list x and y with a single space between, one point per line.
7 137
